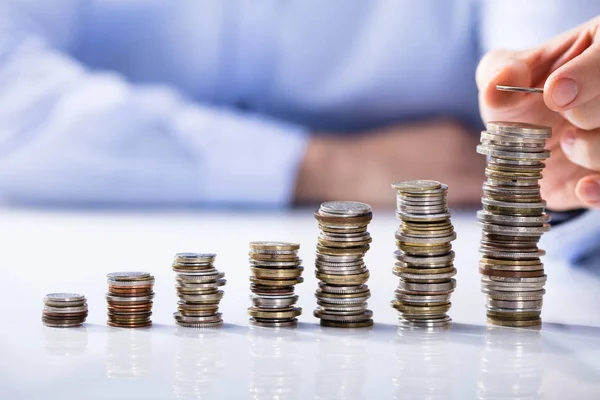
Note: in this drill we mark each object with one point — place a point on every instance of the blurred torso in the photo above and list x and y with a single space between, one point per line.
335 65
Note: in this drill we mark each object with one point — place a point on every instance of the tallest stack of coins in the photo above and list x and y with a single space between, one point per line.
342 294
424 259
513 220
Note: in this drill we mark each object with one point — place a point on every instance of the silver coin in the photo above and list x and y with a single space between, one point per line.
274 252
540 279
329 238
66 310
520 128
514 230
62 325
513 219
415 260
275 264
128 276
201 277
499 136
420 298
416 185
425 323
119 299
506 287
140 282
423 217
426 277
514 295
427 287
426 239
200 285
214 297
273 301
345 258
195 257
351 289
326 264
482 149
506 204
64 297
198 320
512 255
203 325
345 208
519 89
342 301
532 304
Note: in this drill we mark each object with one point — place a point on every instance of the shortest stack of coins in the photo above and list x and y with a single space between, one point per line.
275 269
424 256
129 299
343 242
197 285
64 310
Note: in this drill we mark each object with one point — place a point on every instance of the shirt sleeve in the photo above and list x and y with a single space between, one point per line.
519 25
73 136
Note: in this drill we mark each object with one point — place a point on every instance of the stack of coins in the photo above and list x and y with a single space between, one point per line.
64 310
343 242
129 299
275 269
198 283
424 259
513 220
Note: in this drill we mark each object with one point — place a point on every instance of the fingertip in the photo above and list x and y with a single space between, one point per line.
588 190
560 93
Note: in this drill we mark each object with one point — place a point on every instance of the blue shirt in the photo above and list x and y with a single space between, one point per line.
203 102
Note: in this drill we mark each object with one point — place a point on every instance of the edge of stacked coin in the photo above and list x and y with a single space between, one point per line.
275 269
197 285
64 310
343 242
424 259
129 299
513 220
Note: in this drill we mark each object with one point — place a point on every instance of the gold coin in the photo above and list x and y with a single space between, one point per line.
277 273
276 282
260 313
332 251
515 324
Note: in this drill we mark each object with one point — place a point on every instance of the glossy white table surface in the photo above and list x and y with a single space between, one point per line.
42 252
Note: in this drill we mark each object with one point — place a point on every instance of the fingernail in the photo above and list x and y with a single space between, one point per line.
589 192
567 142
565 92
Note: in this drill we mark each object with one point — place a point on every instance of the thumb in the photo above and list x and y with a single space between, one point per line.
502 67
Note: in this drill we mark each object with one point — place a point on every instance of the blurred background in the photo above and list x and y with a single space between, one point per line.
244 104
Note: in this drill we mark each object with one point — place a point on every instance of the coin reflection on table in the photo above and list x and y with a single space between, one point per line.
342 369
274 367
128 353
65 342
198 362
424 364
512 364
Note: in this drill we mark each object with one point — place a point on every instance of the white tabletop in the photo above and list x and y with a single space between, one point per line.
55 252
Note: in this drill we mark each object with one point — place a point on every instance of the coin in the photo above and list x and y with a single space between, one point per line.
345 208
519 89
339 263
129 276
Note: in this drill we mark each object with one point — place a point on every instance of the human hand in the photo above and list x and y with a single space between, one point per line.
569 69
362 167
